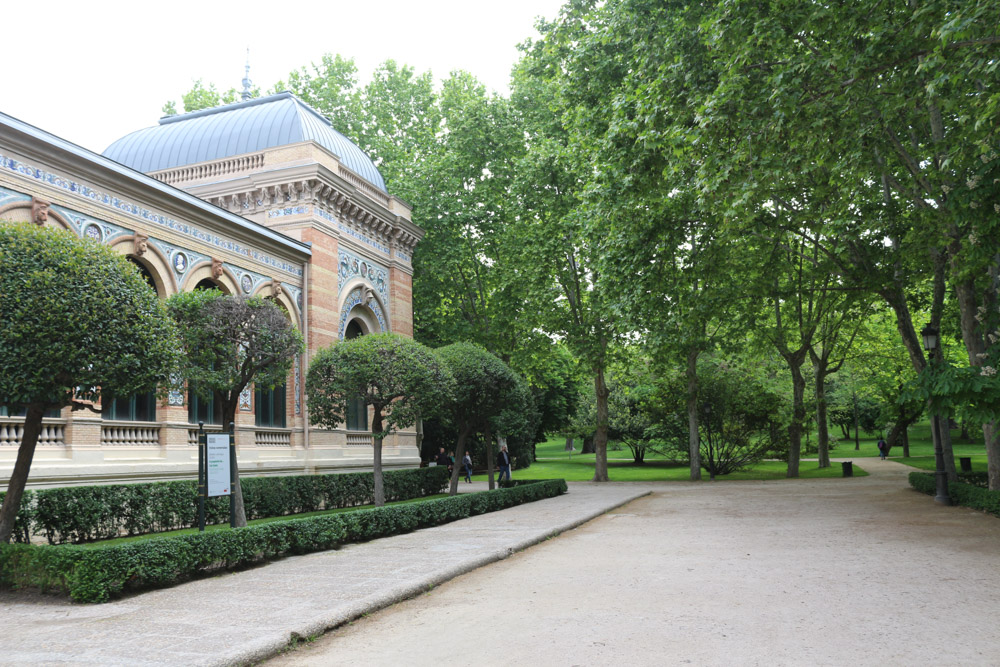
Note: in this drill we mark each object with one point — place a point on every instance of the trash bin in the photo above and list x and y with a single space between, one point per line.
848 468
966 463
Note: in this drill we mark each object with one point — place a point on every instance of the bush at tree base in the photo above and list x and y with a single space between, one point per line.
86 513
970 491
96 574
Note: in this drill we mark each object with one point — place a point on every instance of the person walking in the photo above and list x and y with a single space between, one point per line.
503 461
467 464
883 448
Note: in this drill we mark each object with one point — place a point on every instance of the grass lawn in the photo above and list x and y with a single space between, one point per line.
920 445
554 463
928 463
193 531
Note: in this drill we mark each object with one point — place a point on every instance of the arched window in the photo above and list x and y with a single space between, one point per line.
200 409
357 411
137 407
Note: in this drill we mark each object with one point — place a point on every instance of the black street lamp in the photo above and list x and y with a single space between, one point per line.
931 340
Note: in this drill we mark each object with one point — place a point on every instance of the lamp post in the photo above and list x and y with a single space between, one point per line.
931 341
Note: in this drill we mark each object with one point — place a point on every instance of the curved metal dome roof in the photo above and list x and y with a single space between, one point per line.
235 129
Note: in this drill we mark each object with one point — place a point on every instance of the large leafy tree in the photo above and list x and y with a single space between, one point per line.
77 322
398 377
229 342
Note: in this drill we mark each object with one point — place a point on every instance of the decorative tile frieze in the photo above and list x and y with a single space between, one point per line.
245 398
352 266
288 210
129 208
298 396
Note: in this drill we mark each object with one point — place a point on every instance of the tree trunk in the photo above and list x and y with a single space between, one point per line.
463 438
377 459
822 434
588 445
857 439
490 460
694 446
569 445
991 435
19 476
798 417
601 437
906 442
228 407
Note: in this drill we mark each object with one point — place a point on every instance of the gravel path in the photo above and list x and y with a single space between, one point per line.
861 571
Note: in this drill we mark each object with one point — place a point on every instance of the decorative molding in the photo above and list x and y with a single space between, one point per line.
351 266
359 296
245 398
136 211
298 396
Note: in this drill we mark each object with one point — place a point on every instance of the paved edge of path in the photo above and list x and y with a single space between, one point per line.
269 647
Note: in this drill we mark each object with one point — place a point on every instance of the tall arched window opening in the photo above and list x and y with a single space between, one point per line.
357 411
201 409
137 407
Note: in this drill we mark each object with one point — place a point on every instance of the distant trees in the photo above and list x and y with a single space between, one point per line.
77 322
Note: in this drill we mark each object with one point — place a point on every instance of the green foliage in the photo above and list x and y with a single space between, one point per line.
969 493
86 513
76 319
484 386
25 517
98 574
400 377
231 341
202 97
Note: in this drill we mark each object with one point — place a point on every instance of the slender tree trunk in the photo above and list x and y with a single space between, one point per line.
601 437
490 459
822 435
377 459
798 418
463 438
569 445
19 476
857 431
228 405
694 447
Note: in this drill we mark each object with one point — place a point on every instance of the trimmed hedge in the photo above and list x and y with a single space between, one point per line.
88 513
25 518
961 493
100 573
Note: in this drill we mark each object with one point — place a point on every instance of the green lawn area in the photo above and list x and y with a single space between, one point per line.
192 531
553 463
920 445
928 463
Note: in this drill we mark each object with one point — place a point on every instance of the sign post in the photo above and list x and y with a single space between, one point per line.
232 474
202 485
219 466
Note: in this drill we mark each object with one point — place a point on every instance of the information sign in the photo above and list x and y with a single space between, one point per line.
217 447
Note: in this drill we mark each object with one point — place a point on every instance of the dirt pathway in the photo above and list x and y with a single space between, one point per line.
861 571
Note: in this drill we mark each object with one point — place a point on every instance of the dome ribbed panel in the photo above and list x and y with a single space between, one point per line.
237 129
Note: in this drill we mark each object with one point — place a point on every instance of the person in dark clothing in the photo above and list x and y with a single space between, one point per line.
503 462
442 459
883 448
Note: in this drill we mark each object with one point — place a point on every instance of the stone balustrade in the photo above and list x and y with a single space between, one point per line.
357 439
273 438
130 434
53 433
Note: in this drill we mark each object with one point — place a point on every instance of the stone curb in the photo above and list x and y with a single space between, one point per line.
267 647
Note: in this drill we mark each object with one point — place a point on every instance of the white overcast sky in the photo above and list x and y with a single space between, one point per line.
91 72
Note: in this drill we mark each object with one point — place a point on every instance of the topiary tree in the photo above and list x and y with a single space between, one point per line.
76 318
397 376
229 342
483 387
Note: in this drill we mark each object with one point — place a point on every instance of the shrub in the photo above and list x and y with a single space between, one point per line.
961 493
87 513
98 574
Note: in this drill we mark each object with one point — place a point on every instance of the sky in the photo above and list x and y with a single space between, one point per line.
93 71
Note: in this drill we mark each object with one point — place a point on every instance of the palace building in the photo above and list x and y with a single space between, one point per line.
262 197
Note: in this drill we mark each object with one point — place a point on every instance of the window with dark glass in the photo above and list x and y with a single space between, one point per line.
270 406
5 411
136 408
202 410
